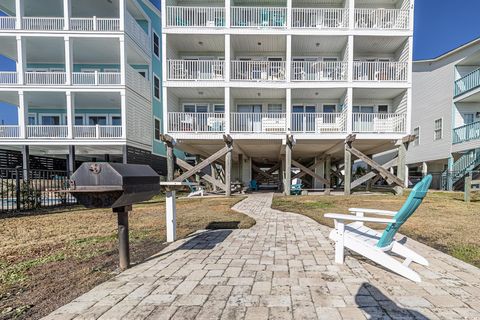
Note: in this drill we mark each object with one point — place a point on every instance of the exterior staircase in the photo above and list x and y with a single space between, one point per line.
464 165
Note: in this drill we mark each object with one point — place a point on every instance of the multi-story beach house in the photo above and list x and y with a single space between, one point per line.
316 70
446 115
87 79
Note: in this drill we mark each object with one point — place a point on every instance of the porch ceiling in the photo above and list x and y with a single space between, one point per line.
102 100
377 93
254 93
318 44
44 8
100 8
198 93
336 93
309 3
258 43
92 50
472 97
8 6
8 47
10 97
196 43
46 99
374 45
45 50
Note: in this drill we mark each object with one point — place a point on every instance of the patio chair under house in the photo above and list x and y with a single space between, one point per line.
377 246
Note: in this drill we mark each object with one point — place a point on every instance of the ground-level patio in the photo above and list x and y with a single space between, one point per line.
280 268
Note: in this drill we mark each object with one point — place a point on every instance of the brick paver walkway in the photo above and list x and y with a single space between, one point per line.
281 268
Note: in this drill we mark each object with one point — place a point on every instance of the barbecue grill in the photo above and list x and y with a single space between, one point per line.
117 186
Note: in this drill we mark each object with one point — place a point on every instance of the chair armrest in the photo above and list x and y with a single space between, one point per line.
347 217
375 211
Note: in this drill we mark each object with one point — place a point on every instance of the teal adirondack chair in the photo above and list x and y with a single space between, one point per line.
296 189
253 185
374 245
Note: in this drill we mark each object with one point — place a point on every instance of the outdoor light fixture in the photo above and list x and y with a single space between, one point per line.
317 44
259 94
316 93
259 43
200 92
200 43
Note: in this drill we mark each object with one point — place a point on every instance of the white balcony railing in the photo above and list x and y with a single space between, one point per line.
382 19
259 17
178 16
380 71
9 132
96 78
258 122
196 122
319 70
43 24
45 78
47 132
138 83
97 132
196 69
322 18
94 24
380 122
7 77
7 23
136 32
258 70
318 122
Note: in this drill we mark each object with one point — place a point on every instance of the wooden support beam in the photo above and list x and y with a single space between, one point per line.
170 144
220 153
185 165
287 184
262 173
228 170
372 174
390 178
303 173
309 172
347 180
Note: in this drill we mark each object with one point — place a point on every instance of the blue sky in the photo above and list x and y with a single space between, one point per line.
440 26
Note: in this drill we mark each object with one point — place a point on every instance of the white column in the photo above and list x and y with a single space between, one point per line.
22 115
123 106
70 114
21 60
351 14
288 97
164 58
228 11
288 58
68 60
410 59
122 11
349 110
227 110
227 59
171 216
163 11
123 61
165 108
289 14
66 14
409 111
412 15
19 6
350 58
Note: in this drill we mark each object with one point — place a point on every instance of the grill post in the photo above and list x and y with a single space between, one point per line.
123 242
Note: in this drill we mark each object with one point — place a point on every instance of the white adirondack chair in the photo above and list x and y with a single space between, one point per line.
374 245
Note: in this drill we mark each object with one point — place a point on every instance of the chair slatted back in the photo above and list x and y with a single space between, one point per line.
411 204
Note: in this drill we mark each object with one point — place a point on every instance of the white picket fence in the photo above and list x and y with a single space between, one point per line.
96 78
380 71
196 122
180 16
94 24
195 69
258 70
319 70
45 78
7 23
379 122
258 122
7 77
43 23
318 122
9 131
382 19
47 132
259 17
323 18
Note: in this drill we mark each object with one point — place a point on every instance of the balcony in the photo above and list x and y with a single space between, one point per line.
7 23
258 70
97 132
43 23
196 69
47 132
258 122
9 132
467 83
196 122
319 18
319 70
466 133
259 17
8 77
379 122
45 78
382 19
212 17
380 71
96 78
94 24
319 122
139 36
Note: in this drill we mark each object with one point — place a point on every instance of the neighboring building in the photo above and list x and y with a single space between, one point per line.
257 70
87 79
446 115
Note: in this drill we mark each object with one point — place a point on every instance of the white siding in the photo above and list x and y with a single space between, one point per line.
139 119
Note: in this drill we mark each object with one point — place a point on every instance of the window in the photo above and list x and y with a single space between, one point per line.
156 87
382 109
416 133
79 120
32 120
468 118
274 108
362 109
219 108
438 129
156 45
157 129
195 108
116 121
50 120
329 108
97 120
